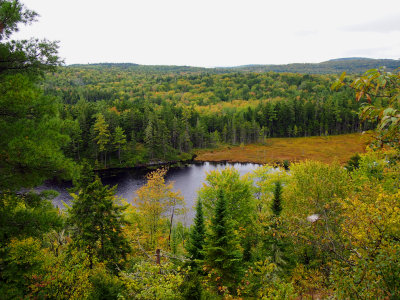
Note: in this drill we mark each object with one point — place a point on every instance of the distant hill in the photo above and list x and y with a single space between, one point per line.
351 65
159 69
349 58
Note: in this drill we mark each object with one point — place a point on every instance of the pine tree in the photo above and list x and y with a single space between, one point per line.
277 201
197 235
96 222
149 139
274 240
102 135
222 248
119 141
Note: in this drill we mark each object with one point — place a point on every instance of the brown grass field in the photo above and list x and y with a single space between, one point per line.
326 149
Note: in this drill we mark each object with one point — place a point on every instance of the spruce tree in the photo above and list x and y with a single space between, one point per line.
222 247
276 245
102 136
119 141
197 235
277 201
191 288
96 222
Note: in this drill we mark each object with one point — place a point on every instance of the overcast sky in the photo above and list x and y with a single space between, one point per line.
217 32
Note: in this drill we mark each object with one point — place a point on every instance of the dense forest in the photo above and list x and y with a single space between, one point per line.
127 116
350 65
315 230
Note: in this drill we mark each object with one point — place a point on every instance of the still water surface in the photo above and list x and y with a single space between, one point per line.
188 179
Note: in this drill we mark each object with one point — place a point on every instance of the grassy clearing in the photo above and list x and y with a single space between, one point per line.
321 148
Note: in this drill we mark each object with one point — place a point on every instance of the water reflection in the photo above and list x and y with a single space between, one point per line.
188 179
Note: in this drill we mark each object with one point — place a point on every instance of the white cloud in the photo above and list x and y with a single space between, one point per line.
215 32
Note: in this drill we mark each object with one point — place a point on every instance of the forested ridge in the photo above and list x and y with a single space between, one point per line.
130 116
308 230
350 65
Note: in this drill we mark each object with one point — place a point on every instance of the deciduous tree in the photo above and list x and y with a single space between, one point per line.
156 201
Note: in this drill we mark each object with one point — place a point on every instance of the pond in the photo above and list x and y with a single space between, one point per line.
188 179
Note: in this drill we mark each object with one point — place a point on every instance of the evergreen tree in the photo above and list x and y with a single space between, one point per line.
102 136
197 235
96 222
222 248
119 140
23 56
30 139
277 201
274 241
149 138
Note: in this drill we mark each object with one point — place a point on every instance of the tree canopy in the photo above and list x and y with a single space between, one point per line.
32 56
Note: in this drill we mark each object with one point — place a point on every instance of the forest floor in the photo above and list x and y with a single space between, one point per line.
328 149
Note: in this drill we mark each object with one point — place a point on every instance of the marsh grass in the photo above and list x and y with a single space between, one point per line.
275 150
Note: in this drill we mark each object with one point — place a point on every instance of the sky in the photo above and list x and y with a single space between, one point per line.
217 32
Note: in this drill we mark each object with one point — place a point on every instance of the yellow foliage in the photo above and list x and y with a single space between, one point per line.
156 202
370 217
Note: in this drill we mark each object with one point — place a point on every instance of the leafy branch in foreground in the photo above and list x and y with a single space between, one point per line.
28 56
381 89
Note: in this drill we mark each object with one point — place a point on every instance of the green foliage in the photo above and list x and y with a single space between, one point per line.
308 281
166 115
28 215
105 285
381 89
102 136
341 228
26 56
377 167
65 276
276 206
263 282
96 222
370 232
22 260
197 235
237 193
119 141
286 163
314 188
30 139
354 65
313 212
191 287
353 163
148 281
11 14
223 257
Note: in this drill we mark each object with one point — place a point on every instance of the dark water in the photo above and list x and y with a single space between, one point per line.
188 179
